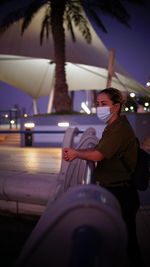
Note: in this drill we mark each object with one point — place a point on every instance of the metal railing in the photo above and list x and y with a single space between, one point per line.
9 117
36 132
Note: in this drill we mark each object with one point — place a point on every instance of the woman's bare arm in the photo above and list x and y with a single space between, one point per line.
70 154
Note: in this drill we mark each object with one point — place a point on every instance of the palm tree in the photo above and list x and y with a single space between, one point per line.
58 13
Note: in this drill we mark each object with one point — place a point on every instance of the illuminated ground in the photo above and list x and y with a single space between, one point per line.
38 163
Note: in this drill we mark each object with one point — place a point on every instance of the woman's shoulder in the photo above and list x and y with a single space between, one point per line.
120 130
120 125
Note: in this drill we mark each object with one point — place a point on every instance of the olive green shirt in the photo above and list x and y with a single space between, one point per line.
117 139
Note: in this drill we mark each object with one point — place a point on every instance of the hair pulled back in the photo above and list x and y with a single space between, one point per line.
114 95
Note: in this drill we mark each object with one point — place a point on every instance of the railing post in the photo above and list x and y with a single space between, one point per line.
10 118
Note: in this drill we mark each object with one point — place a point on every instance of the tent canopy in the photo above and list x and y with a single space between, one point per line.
94 54
25 64
36 76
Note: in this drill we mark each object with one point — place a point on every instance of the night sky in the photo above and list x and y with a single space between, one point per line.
132 48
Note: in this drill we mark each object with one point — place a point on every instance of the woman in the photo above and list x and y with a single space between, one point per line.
118 140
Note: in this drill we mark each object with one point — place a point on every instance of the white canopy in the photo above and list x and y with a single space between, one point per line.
36 77
94 54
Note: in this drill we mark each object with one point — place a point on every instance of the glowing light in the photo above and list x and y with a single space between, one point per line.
131 107
146 104
132 94
6 115
25 115
63 124
85 108
103 198
12 121
126 109
29 124
148 83
93 109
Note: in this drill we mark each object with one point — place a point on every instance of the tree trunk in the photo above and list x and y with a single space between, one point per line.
72 99
94 98
62 101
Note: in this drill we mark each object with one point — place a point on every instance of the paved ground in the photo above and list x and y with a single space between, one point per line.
38 163
23 162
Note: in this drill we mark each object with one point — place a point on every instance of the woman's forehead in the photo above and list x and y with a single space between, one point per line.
103 97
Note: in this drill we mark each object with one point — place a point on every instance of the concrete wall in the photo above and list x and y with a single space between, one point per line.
139 122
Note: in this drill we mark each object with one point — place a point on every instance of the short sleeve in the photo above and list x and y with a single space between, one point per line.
110 144
115 139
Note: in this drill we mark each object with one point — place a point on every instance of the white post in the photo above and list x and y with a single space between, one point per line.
51 95
110 68
34 106
88 98
50 101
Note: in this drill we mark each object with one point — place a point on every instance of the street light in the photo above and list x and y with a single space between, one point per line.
132 94
148 84
63 124
146 104
85 108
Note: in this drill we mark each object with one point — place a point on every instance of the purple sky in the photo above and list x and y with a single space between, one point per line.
132 48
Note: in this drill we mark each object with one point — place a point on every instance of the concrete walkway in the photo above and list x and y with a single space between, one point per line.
45 162
29 162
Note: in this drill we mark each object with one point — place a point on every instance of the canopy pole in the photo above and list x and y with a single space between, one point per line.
50 101
34 106
88 98
51 95
110 68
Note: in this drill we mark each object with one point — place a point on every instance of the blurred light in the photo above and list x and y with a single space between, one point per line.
103 198
145 108
126 109
12 121
6 115
85 108
29 124
25 115
132 94
93 109
146 104
131 107
63 124
148 83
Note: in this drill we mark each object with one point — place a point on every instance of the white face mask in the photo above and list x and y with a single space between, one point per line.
103 113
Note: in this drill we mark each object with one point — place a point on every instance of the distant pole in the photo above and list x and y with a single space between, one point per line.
51 95
10 118
50 102
110 68
34 107
88 98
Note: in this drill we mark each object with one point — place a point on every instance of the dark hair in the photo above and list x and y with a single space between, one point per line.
114 95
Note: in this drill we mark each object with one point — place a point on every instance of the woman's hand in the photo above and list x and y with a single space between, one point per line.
69 154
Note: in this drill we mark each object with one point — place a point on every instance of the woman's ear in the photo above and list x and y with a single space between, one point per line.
117 107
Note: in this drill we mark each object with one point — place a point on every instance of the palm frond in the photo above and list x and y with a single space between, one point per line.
46 24
70 27
11 18
18 13
112 7
97 20
30 13
136 1
74 13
